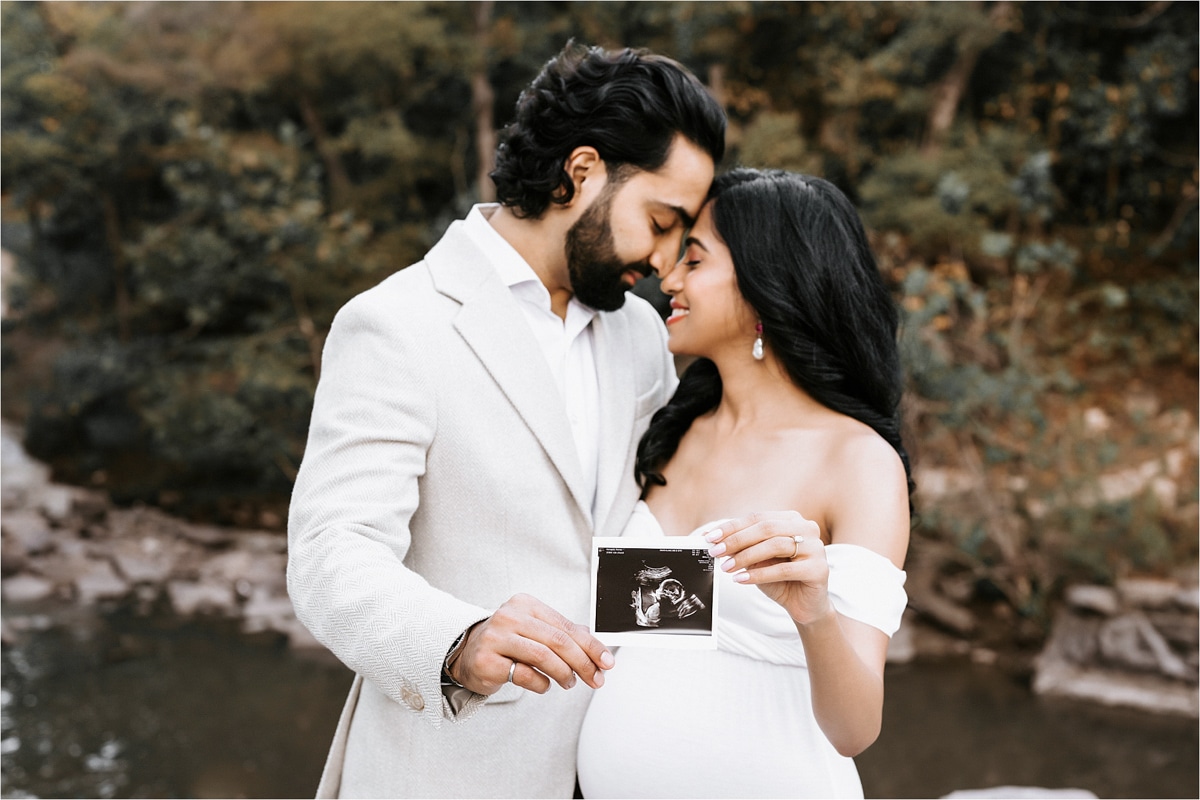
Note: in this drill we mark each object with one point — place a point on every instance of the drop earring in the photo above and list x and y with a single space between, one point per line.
757 352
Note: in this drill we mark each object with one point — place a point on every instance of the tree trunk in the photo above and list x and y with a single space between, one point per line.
483 99
339 181
112 231
949 91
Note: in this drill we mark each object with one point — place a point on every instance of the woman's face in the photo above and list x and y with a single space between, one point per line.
709 316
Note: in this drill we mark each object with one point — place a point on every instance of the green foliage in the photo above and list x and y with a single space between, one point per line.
192 190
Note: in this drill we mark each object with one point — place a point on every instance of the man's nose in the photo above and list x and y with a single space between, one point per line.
666 252
668 280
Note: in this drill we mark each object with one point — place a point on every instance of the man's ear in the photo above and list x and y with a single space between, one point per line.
582 165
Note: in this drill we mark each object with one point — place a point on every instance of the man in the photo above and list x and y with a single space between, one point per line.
475 425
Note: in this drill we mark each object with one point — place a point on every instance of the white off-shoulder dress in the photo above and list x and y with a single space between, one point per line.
736 721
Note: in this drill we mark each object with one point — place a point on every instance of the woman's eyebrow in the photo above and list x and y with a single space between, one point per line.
692 240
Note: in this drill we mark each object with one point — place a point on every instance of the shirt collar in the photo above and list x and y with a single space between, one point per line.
512 268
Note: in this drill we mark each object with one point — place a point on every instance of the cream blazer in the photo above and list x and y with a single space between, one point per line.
441 478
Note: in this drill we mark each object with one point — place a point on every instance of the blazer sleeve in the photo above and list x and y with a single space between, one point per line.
374 417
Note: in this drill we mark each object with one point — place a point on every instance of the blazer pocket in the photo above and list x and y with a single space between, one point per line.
649 402
508 693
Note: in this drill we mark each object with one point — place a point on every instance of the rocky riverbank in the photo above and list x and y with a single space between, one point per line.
1131 645
72 544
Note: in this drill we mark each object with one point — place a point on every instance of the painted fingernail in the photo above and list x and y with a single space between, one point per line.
716 549
599 679
729 565
607 661
713 535
742 577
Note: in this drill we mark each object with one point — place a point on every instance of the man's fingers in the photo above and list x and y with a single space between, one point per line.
599 656
563 654
529 678
534 634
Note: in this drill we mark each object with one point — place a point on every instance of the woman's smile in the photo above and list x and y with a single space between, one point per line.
678 312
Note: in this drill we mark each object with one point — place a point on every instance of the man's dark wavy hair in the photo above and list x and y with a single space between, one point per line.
803 263
629 105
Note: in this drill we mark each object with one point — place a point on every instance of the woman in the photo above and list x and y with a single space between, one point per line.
792 403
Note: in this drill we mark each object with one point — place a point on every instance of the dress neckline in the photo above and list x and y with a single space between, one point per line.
701 529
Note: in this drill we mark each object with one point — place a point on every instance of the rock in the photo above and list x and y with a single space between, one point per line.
1096 421
1166 492
56 502
1100 599
139 521
1075 638
245 568
1019 793
264 606
29 529
207 535
934 483
984 655
194 597
89 506
99 581
138 567
262 542
1067 667
1175 459
1147 592
13 558
1122 643
148 559
925 599
1141 403
1179 628
21 473
1152 693
1188 598
26 589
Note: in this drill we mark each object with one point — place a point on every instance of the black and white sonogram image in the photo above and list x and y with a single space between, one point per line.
647 590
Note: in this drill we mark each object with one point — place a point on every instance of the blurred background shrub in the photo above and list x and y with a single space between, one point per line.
191 190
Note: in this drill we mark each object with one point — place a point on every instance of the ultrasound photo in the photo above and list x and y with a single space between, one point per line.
645 591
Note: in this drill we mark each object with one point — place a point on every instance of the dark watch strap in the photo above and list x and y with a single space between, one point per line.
447 678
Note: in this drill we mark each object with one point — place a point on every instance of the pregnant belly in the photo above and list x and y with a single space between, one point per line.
706 724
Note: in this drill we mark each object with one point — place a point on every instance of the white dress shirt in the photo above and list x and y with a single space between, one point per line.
567 344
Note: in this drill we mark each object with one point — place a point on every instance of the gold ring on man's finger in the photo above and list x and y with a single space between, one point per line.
511 670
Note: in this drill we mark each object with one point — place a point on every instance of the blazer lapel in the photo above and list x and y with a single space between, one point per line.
615 377
492 325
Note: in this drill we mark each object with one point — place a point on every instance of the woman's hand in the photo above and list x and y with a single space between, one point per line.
781 552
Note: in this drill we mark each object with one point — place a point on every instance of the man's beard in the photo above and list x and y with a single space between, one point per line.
592 260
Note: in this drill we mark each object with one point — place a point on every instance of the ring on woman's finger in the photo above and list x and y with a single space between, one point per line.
796 542
511 669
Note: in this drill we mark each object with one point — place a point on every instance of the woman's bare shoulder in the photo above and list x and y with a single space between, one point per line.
867 500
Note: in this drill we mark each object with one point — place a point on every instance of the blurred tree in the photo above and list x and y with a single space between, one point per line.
205 184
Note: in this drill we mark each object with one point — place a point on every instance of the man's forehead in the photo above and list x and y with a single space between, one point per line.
683 198
682 190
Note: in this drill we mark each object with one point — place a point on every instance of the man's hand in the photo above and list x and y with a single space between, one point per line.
544 644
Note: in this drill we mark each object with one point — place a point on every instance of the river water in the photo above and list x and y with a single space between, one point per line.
134 706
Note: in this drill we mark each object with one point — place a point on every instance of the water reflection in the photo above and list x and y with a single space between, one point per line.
964 726
134 706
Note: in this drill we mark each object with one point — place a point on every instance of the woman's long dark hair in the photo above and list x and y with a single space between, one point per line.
803 264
